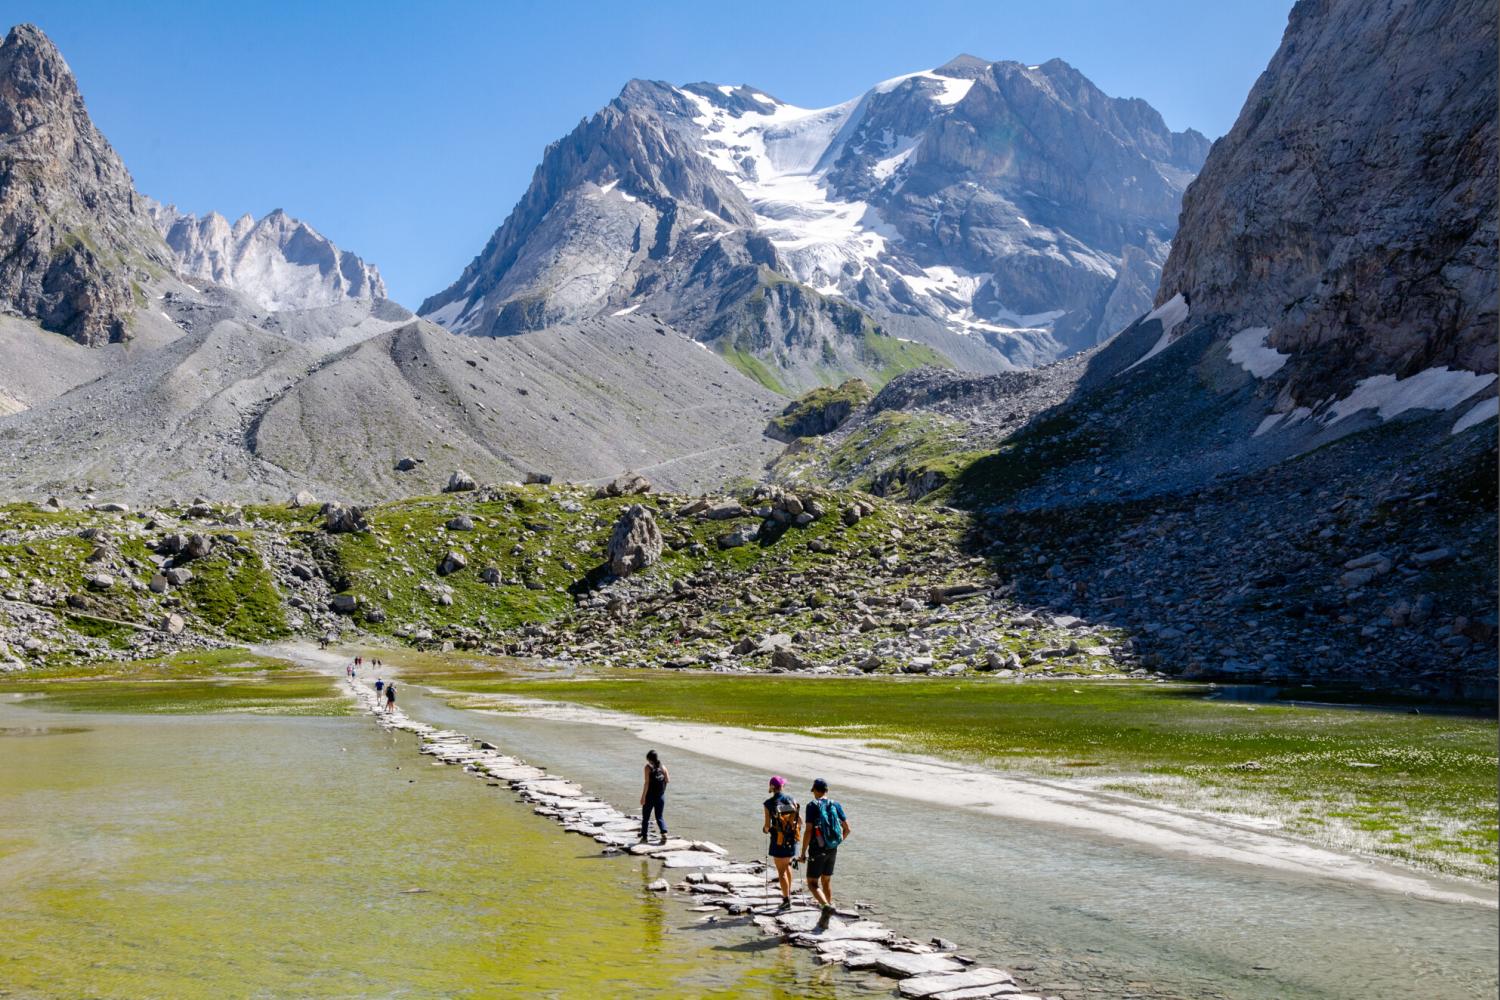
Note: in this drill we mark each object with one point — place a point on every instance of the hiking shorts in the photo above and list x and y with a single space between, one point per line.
820 863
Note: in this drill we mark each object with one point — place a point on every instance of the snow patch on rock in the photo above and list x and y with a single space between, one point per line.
1487 410
1249 350
1171 313
1434 389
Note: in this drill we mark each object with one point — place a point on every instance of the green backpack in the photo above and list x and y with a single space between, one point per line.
828 831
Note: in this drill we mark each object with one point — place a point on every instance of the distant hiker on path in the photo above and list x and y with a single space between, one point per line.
825 830
379 687
390 696
782 823
653 796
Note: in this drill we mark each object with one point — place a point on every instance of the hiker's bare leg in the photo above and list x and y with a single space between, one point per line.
827 898
784 876
818 892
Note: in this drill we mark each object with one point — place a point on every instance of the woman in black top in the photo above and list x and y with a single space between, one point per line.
653 796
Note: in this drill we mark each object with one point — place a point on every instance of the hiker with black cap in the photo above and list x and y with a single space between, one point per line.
782 821
826 828
653 796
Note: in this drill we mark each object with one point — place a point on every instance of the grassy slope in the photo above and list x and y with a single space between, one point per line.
1419 788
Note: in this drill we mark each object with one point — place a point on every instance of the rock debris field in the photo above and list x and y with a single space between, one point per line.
933 970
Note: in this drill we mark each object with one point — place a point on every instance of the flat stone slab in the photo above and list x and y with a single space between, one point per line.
904 965
838 930
690 859
834 952
866 958
675 844
928 986
734 879
1009 990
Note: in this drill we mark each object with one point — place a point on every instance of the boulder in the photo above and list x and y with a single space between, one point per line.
196 546
302 499
178 575
724 510
635 543
538 479
172 624
740 534
339 520
99 581
490 575
344 604
462 522
460 482
630 484
452 562
785 659
158 584
405 463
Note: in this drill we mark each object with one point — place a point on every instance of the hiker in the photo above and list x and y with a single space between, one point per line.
653 796
390 696
379 687
825 830
782 822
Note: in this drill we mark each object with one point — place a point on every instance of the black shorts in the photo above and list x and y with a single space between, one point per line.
820 863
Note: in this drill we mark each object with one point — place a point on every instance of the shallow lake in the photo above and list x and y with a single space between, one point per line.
225 856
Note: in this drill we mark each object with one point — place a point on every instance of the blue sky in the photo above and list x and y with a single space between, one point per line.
406 133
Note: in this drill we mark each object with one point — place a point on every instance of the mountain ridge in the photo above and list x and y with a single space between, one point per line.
672 198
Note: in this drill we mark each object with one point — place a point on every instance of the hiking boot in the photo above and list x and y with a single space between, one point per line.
786 904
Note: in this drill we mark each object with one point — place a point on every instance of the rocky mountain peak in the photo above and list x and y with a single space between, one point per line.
278 261
34 77
75 236
1000 213
964 67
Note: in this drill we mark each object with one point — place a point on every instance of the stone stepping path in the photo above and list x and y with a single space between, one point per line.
739 888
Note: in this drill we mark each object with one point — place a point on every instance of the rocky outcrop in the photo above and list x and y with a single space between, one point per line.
75 237
819 412
277 261
635 542
1352 208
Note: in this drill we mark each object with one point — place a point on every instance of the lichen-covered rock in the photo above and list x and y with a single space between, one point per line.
635 543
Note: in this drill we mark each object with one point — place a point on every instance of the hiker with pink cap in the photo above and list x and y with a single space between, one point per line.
784 824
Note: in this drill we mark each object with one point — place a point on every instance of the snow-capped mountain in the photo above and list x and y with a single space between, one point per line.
277 261
1003 214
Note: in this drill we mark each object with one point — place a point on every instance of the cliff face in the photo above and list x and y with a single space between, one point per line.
74 234
1352 208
